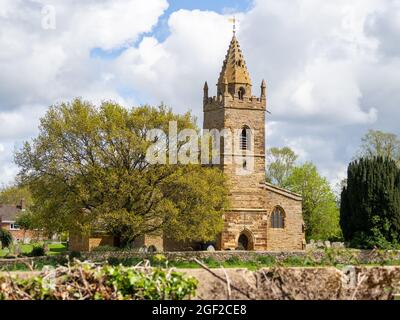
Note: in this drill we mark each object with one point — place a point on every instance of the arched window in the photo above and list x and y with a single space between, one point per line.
244 139
241 93
278 218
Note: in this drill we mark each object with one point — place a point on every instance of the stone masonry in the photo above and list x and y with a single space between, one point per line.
248 222
248 225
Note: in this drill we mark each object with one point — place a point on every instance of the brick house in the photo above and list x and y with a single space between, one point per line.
8 218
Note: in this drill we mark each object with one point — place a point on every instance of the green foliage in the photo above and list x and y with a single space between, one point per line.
156 285
266 260
14 194
75 255
84 281
280 165
211 262
370 204
320 211
5 238
38 251
380 144
295 261
87 170
26 220
106 248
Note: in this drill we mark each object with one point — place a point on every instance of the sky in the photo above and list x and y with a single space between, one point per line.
332 67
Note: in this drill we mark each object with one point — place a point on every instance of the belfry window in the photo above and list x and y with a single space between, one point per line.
244 139
278 218
241 93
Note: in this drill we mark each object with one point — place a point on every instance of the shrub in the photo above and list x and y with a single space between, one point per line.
37 251
370 204
266 260
296 261
74 254
211 262
85 281
5 238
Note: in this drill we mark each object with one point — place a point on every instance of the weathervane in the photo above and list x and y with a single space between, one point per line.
233 21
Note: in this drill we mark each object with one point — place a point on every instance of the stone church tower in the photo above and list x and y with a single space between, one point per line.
261 216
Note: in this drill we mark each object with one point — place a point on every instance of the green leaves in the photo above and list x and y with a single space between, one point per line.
5 238
280 163
320 212
85 281
87 170
370 203
380 144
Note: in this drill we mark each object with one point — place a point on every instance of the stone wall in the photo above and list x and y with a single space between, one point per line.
292 236
82 243
324 257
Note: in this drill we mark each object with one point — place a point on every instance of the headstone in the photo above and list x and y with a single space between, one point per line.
143 249
210 248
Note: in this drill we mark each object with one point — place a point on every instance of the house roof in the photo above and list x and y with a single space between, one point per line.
9 212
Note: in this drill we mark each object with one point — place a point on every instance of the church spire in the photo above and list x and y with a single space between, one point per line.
234 70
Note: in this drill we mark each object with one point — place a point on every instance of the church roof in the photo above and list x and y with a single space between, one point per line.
283 192
234 69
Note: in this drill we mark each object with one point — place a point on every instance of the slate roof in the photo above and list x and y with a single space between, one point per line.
9 212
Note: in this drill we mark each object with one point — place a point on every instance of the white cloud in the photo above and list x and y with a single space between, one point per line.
321 61
40 67
331 67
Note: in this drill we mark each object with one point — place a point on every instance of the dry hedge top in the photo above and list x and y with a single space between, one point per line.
81 281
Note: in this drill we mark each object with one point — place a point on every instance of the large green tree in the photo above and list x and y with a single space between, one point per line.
13 195
87 170
370 203
377 143
280 163
320 211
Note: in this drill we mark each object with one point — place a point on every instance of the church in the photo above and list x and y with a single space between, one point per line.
261 216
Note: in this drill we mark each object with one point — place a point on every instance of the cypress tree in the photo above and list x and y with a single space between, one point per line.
370 203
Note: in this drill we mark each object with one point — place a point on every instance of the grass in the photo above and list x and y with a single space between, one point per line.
26 249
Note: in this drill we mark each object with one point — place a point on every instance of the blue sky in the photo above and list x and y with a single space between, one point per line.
161 30
331 67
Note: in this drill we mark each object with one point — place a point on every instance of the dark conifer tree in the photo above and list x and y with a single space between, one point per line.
370 203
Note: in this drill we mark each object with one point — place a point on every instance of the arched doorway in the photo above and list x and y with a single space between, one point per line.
245 241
